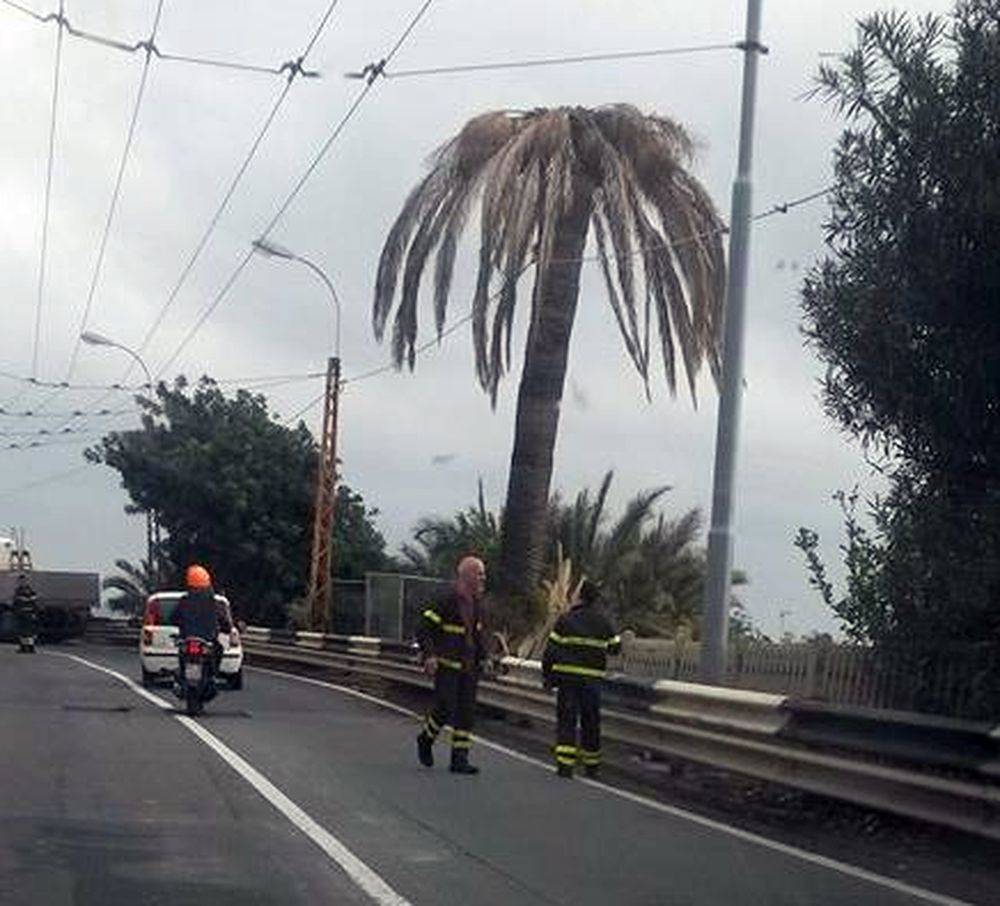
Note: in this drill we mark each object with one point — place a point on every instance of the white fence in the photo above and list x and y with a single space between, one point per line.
957 680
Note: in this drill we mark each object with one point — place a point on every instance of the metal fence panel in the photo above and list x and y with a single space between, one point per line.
394 602
348 616
418 592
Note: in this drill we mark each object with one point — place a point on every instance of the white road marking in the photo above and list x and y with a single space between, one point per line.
927 896
364 877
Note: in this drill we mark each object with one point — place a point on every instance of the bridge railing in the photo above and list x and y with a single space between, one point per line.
937 769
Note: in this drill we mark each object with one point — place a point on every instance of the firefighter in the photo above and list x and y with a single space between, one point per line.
575 661
453 647
25 607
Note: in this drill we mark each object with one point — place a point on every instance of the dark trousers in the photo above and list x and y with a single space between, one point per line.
454 703
578 703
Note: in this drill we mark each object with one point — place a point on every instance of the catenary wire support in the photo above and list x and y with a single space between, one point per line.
290 198
292 67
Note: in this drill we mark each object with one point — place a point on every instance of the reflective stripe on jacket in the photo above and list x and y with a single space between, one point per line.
443 634
579 645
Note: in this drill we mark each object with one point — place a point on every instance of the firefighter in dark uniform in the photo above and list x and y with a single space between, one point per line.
453 646
575 661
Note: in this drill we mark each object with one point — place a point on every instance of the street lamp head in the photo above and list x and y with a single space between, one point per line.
272 249
91 338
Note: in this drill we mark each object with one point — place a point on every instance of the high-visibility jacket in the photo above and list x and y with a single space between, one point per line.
444 634
579 645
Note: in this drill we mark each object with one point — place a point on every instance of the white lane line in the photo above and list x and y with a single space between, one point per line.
363 876
919 893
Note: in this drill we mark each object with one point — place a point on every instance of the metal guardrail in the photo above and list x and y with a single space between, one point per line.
106 631
934 769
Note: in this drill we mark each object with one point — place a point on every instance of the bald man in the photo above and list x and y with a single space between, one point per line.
453 646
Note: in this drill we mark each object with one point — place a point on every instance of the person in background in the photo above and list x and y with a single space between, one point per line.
575 661
25 609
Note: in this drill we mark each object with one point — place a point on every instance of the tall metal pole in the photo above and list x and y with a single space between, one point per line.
320 580
152 522
715 622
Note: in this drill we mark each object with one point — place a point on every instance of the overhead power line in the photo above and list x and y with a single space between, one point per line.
300 412
48 197
67 385
224 203
42 432
39 444
76 413
289 68
786 206
230 191
42 482
294 193
247 380
116 193
374 70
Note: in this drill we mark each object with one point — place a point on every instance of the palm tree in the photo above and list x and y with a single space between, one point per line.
134 585
546 178
441 542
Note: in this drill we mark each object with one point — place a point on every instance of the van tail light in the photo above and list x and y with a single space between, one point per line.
152 613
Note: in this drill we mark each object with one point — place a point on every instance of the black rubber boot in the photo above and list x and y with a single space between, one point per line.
425 750
460 762
565 770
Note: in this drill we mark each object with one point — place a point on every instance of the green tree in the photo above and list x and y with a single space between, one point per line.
651 567
904 314
547 179
233 489
359 546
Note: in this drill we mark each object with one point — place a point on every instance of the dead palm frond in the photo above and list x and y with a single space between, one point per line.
657 235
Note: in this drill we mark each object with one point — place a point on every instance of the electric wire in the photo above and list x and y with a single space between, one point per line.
116 193
48 197
289 68
292 195
373 70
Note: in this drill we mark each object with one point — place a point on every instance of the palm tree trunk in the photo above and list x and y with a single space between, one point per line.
523 553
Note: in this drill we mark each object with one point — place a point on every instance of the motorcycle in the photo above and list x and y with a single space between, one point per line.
195 683
27 626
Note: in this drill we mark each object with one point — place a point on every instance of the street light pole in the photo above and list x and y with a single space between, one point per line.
92 338
323 552
715 621
272 250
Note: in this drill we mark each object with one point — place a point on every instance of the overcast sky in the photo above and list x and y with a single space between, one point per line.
413 444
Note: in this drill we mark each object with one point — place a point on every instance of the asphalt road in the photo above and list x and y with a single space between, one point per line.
290 792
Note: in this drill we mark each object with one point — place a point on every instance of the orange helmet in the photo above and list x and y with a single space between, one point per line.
198 577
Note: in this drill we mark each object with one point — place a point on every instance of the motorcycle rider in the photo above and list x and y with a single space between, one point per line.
25 609
197 615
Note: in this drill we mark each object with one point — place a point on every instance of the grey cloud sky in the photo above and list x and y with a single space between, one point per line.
196 126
